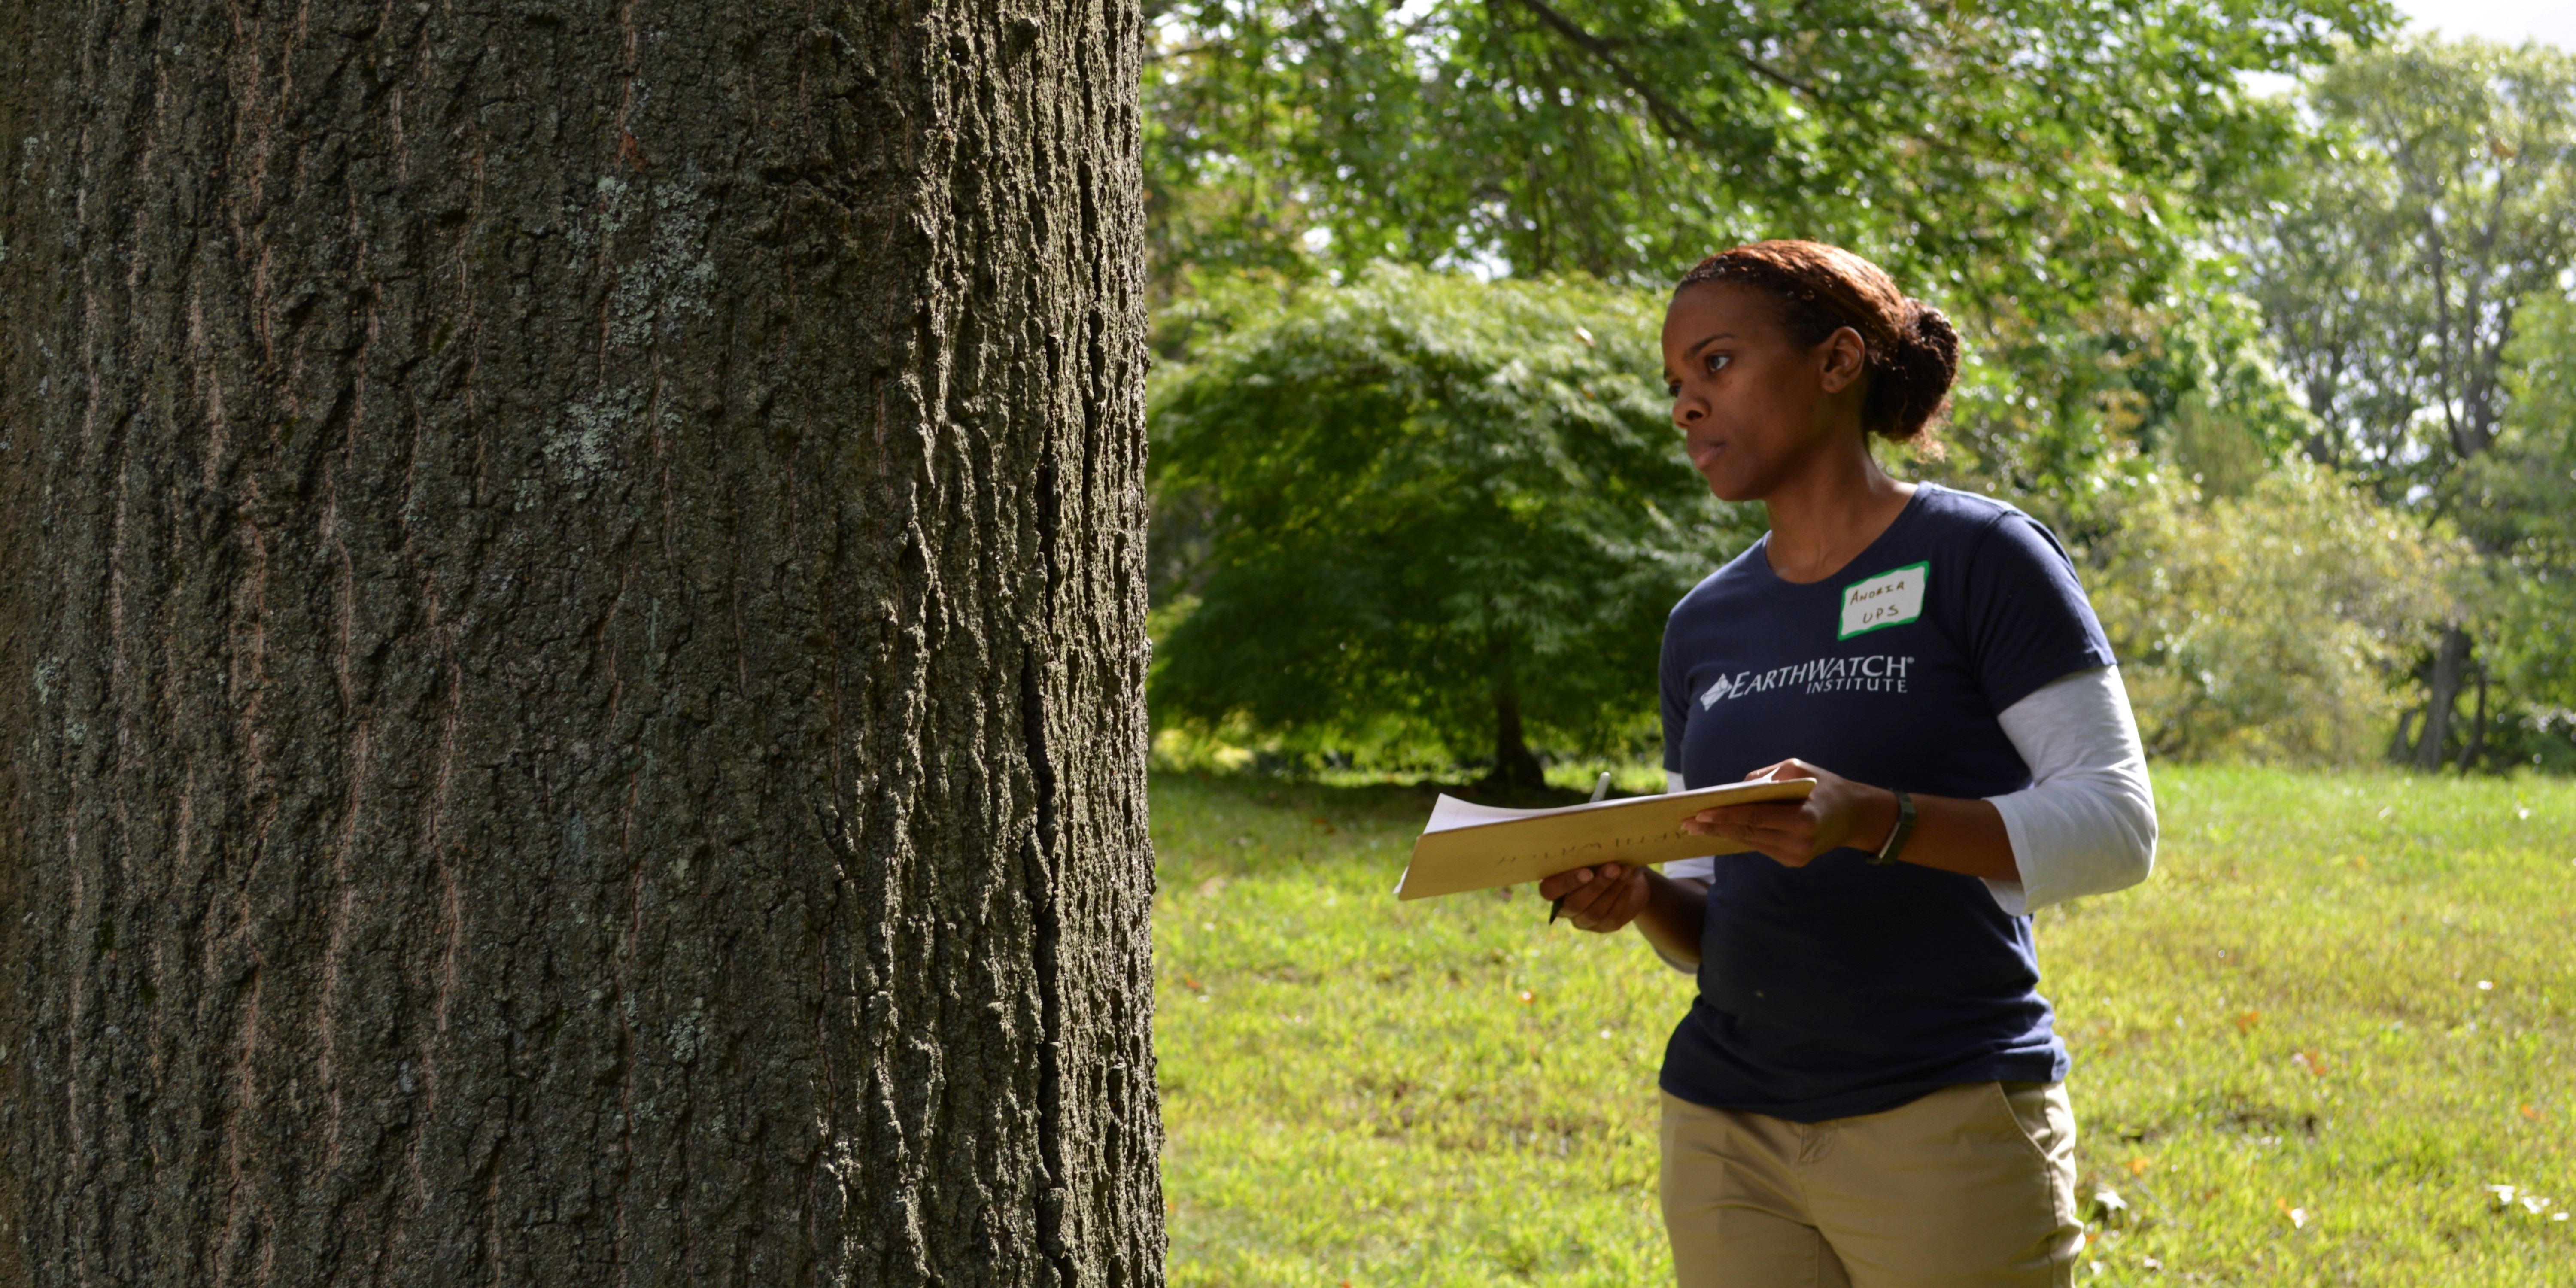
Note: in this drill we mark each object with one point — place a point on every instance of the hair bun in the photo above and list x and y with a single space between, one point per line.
1923 367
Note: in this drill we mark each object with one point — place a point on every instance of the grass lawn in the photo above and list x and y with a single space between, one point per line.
2342 1008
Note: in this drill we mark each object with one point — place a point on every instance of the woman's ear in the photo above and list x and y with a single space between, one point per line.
1845 356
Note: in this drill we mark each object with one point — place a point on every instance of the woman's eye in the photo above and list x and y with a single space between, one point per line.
1672 389
1717 362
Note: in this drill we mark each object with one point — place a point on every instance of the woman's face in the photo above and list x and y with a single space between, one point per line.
1753 404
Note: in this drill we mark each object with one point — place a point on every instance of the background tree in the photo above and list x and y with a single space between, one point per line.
2446 199
1443 509
2318 266
2023 147
572 645
2519 499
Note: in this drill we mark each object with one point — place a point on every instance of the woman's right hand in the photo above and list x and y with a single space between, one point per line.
1600 899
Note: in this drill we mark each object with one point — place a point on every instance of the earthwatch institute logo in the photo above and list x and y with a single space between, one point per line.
1877 673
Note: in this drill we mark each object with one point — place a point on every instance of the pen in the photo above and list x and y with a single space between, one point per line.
1600 788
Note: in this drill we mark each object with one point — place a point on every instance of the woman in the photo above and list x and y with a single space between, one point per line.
1867 1088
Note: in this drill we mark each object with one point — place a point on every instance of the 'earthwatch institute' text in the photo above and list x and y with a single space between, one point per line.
1877 673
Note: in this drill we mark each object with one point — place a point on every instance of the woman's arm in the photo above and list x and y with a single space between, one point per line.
1951 833
2087 823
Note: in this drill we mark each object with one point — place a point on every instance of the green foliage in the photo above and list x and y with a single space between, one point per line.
2039 149
2438 198
2063 419
2288 1015
2519 499
2042 169
2276 625
2436 206
1429 499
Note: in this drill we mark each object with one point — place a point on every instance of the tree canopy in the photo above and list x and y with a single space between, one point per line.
2036 149
2437 200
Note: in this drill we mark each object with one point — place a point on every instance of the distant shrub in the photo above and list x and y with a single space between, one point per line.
1426 512
2277 625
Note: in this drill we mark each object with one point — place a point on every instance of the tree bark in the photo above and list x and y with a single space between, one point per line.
2450 664
571 663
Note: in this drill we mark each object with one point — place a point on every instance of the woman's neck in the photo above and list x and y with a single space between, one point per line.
1824 516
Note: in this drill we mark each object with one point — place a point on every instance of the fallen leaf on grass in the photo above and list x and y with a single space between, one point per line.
2139 1166
1528 997
2312 1061
2245 1023
2298 1216
2531 1113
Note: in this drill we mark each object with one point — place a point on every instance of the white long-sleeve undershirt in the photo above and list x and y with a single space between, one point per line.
2087 823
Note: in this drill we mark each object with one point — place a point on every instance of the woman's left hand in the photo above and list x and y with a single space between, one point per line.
1837 813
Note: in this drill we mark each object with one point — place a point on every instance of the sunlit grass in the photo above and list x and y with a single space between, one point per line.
2288 1018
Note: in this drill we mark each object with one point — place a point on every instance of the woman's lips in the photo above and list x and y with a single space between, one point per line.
1702 451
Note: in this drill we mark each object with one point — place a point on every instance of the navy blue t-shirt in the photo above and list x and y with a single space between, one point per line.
1846 987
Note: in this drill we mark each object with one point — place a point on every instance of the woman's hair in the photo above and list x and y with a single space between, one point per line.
1913 352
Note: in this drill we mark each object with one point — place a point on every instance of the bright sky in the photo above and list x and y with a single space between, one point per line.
2510 21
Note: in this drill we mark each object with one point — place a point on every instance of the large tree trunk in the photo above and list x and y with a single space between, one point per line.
572 646
2450 667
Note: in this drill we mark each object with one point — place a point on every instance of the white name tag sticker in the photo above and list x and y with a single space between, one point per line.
1889 599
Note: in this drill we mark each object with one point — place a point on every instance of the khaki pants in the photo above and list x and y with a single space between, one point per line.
1972 1186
